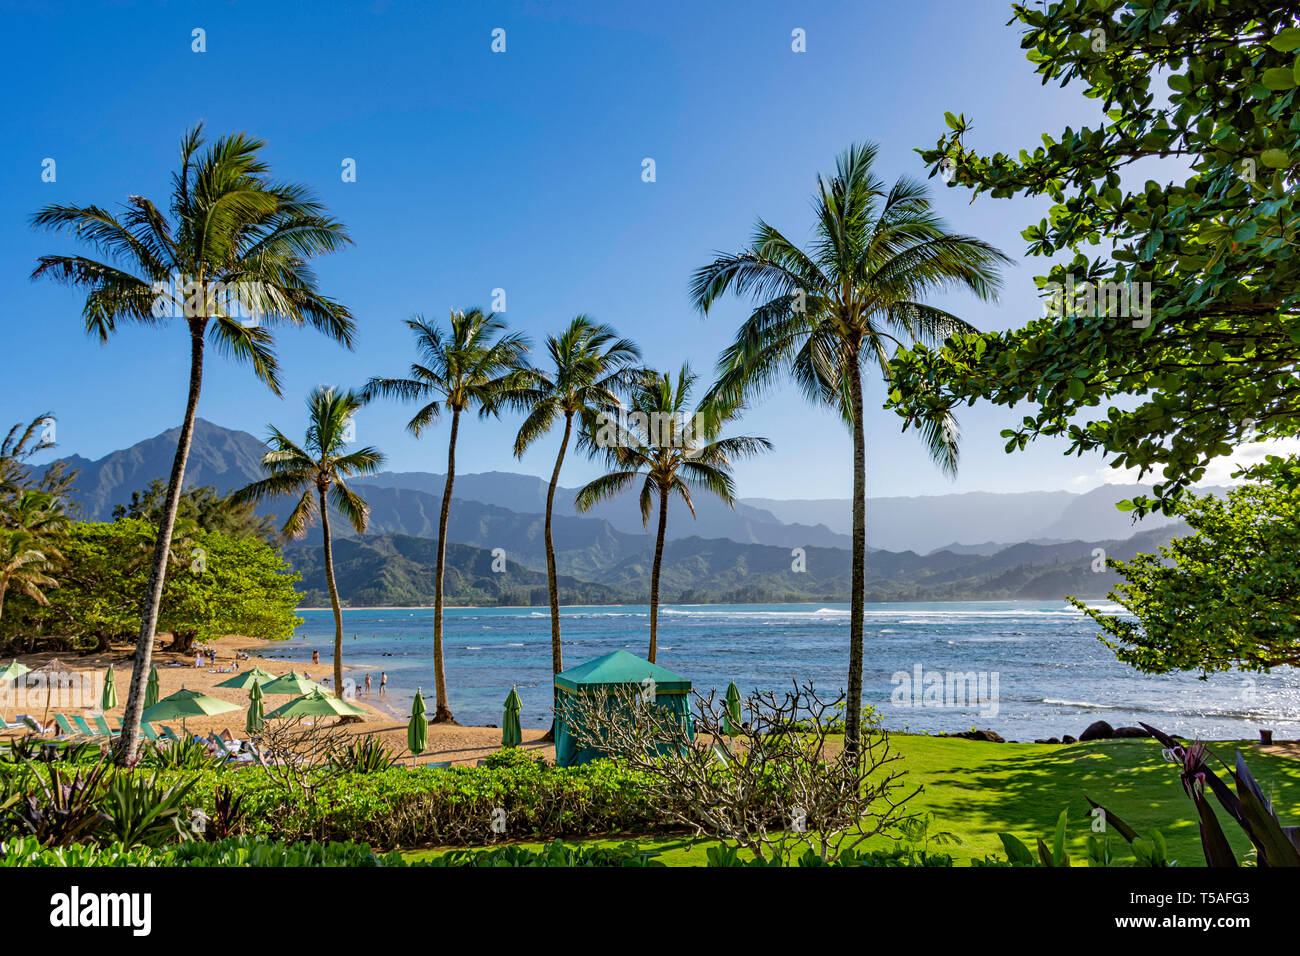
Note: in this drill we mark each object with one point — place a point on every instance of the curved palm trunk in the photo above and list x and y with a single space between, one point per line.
557 655
654 574
334 594
857 597
442 711
129 743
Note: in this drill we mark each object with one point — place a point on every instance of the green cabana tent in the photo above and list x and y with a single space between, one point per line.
602 676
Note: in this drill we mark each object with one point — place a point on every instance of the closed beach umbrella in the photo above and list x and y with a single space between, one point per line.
417 731
316 704
184 704
108 700
511 735
151 688
731 713
294 683
253 722
246 679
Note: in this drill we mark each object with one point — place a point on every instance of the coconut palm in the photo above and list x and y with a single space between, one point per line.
29 529
853 297
672 449
231 261
315 473
590 365
473 364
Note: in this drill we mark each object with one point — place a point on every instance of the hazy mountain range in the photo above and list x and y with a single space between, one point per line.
945 547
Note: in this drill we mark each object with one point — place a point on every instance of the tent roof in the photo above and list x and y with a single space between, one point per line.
620 667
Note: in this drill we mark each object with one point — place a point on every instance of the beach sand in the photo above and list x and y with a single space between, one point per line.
460 745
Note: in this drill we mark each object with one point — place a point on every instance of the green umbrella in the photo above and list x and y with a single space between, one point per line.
417 731
108 700
151 688
316 704
511 735
253 723
731 714
12 671
294 683
247 679
186 703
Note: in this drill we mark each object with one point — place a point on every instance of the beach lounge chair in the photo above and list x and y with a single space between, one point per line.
146 728
439 765
170 736
83 727
67 730
31 724
104 729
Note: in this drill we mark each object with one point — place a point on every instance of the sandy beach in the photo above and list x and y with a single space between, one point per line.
461 745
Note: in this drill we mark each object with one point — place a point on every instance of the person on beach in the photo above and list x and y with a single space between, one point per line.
198 659
315 657
383 683
367 685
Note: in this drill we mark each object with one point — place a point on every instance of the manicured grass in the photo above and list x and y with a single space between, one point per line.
977 790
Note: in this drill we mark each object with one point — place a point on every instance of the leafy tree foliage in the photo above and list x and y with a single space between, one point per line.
202 508
219 584
1201 91
1227 595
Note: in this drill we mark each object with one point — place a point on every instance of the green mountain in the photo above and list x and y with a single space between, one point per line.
397 569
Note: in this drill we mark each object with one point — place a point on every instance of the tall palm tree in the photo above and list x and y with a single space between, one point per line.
475 363
315 473
853 297
232 262
675 450
590 365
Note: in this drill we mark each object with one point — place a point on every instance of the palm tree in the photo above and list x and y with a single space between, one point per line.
675 450
853 297
590 365
474 364
315 473
29 529
232 262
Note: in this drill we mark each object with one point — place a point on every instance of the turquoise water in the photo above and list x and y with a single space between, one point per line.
1053 676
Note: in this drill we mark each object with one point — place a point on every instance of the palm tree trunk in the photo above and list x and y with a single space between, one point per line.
552 584
442 711
129 742
4 586
334 594
858 588
654 574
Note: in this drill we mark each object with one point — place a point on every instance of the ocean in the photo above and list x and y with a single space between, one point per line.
1024 669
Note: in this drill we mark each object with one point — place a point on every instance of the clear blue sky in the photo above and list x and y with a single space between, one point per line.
519 170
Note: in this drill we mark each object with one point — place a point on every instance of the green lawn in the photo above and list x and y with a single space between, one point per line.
977 790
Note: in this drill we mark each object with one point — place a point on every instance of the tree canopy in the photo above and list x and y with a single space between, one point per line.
1227 595
1201 96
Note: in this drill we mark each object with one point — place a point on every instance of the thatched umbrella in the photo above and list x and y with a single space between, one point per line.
52 672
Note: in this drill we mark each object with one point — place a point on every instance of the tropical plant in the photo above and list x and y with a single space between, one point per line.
140 811
28 544
674 449
61 808
367 755
1227 595
590 365
853 297
474 364
315 473
232 262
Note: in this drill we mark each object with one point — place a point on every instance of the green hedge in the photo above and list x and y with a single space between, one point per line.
422 806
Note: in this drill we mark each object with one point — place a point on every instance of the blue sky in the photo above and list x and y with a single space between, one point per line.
518 170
